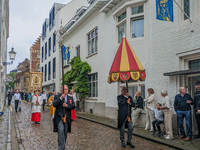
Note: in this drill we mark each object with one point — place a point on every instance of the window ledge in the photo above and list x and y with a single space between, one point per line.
92 98
91 55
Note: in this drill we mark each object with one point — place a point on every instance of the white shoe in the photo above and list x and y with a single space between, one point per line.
151 130
146 129
167 137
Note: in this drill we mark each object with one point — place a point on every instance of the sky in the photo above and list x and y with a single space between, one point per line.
25 26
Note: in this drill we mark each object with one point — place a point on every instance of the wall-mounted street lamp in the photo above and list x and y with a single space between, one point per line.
12 55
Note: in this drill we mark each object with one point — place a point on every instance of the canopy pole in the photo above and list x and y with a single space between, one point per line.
183 11
127 86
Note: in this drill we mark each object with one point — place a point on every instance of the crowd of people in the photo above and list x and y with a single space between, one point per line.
158 113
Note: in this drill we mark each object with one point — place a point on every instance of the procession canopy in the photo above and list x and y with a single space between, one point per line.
126 64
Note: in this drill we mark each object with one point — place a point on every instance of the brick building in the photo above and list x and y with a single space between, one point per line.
35 56
23 76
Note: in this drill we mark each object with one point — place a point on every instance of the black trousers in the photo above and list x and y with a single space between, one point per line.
43 103
157 123
130 131
16 105
197 116
9 102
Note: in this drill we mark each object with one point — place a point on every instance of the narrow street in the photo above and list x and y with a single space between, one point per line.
85 135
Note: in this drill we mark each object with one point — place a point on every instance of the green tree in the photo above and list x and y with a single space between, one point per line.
11 84
78 72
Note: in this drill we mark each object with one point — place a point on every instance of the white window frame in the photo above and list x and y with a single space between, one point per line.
95 36
96 86
128 20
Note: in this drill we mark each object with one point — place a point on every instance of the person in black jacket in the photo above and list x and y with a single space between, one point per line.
198 107
59 126
196 101
182 107
124 116
138 107
9 98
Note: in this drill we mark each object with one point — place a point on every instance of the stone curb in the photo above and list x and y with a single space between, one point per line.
142 135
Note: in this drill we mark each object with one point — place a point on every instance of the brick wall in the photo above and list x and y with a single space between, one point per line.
34 59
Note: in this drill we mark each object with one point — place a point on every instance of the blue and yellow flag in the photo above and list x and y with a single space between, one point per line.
164 10
66 53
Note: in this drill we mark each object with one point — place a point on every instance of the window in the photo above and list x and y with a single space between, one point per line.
93 85
49 71
137 10
50 46
122 16
54 42
78 51
42 69
45 50
54 67
45 73
194 64
44 29
52 18
186 9
121 31
132 90
93 42
137 28
134 18
42 53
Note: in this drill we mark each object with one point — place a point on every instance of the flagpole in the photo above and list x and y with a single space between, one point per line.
183 11
64 119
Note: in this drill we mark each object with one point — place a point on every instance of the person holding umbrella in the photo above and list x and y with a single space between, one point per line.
125 102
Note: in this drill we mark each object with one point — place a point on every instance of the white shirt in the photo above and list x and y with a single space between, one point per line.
167 103
65 99
158 114
44 96
17 96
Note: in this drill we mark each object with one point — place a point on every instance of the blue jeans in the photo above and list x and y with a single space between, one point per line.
188 117
16 105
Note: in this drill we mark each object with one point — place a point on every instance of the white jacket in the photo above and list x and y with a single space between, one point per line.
36 108
151 101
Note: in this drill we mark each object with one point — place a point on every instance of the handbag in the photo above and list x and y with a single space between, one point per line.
20 106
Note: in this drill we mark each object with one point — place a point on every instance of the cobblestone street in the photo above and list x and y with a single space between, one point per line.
85 135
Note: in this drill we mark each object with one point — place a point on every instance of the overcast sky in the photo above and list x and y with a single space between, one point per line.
25 26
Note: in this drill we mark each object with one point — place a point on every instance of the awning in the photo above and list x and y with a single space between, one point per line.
182 72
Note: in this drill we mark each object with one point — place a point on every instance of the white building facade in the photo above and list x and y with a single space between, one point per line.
4 32
169 51
50 62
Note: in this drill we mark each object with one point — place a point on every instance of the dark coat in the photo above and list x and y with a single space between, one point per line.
59 111
9 96
139 102
123 109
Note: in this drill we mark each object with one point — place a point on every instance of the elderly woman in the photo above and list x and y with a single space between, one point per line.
150 102
138 107
168 113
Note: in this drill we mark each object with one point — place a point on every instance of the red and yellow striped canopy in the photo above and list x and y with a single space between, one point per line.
126 64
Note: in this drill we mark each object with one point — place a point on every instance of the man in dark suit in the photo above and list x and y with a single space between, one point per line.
9 98
124 116
59 126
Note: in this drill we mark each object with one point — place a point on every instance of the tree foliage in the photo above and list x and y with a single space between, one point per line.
79 72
